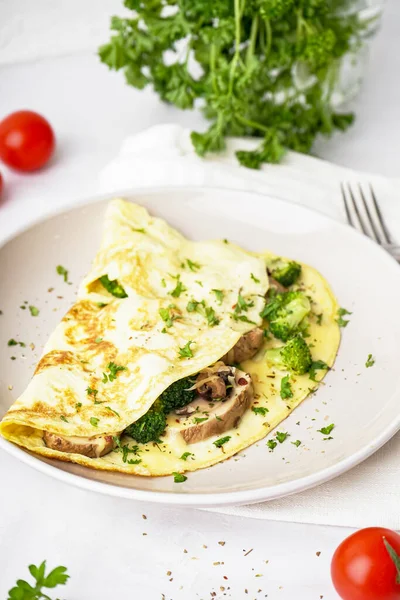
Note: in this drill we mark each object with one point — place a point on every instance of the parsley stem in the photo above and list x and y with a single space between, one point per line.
237 47
252 124
269 37
252 43
213 61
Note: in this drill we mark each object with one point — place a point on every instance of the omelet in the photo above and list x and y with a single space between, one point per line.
155 309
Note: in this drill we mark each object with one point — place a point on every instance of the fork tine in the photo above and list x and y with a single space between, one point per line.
375 233
380 218
360 220
346 207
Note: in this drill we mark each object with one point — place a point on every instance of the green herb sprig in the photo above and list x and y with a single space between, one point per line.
268 68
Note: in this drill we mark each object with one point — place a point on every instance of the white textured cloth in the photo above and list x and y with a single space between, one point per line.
163 156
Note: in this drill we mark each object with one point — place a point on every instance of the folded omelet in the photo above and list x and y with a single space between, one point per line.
157 309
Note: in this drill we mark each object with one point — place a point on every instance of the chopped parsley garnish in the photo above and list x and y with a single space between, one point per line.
193 266
207 311
114 369
34 311
186 351
281 436
340 313
218 418
114 411
219 443
169 314
98 340
101 304
63 272
260 410
272 444
78 405
286 388
199 419
64 419
126 450
179 288
186 455
326 430
219 294
163 283
179 477
297 443
139 229
242 305
242 318
92 392
94 421
370 361
13 342
113 287
319 318
226 241
254 278
315 366
199 282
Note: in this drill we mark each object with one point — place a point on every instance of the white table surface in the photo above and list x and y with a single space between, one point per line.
101 539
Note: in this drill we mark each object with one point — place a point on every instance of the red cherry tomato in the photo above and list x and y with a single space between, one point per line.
362 568
26 140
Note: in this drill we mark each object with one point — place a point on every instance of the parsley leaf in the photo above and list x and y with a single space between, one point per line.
98 340
339 320
219 443
64 419
92 392
25 591
179 477
297 443
94 421
207 311
114 411
63 272
186 455
114 369
326 430
219 294
169 314
186 351
272 444
193 266
34 311
316 366
13 342
370 361
179 288
254 278
286 388
260 410
281 436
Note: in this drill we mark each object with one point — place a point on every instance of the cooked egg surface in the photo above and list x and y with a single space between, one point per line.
171 455
110 358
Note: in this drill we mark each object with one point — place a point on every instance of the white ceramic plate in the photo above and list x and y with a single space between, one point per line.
363 403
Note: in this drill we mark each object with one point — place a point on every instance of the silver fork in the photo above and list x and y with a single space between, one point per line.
366 216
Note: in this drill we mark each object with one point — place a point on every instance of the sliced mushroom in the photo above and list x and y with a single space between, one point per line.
93 447
213 381
220 416
246 347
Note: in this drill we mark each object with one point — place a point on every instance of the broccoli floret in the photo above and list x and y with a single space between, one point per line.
287 273
177 394
295 356
113 287
286 313
150 426
275 9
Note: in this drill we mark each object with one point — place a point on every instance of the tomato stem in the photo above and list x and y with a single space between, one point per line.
395 558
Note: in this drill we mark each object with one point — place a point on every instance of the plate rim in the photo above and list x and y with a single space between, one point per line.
199 499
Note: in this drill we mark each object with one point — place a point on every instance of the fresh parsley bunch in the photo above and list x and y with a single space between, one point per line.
268 68
25 591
